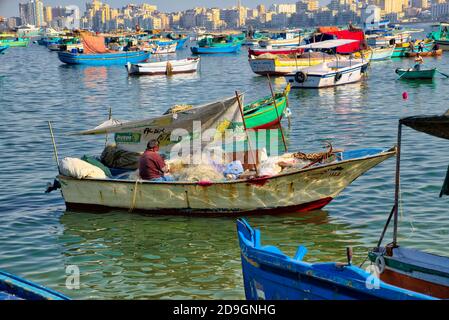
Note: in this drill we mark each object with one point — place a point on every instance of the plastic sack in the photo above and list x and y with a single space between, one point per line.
79 169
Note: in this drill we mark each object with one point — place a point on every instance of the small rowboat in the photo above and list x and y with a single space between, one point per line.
434 53
188 65
269 274
15 288
280 50
416 74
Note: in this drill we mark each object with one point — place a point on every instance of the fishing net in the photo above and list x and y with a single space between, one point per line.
202 172
114 157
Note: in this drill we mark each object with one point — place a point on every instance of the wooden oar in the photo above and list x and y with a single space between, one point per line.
443 74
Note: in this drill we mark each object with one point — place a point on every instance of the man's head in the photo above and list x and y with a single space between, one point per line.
153 145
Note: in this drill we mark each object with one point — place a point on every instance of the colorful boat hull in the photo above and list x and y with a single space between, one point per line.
15 43
106 59
413 270
300 190
3 49
265 115
269 274
15 288
221 49
416 74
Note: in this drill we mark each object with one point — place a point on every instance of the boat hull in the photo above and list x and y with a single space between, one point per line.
269 274
267 116
15 288
121 58
276 67
444 44
422 74
162 68
3 49
426 54
211 50
415 270
316 80
306 189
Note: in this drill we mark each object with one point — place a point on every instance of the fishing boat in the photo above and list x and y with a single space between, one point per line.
403 266
328 74
275 51
375 54
433 53
14 41
282 39
165 49
15 288
412 73
269 274
440 34
263 114
280 65
310 187
403 49
169 67
227 48
95 53
3 49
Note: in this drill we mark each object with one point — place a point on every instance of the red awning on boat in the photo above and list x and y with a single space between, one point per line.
358 35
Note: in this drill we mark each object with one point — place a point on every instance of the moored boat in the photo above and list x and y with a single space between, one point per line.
14 41
440 34
229 48
376 54
406 267
165 48
433 53
169 67
269 274
412 73
263 114
103 59
13 287
275 51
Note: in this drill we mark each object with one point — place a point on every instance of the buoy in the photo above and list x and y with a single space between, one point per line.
405 95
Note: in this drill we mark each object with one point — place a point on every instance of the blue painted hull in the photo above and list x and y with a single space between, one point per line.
3 49
15 288
180 43
106 59
203 50
271 275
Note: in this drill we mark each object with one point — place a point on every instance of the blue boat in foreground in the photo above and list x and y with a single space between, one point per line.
104 59
269 274
15 288
3 49
232 48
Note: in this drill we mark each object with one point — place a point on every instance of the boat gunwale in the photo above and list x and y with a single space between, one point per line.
385 154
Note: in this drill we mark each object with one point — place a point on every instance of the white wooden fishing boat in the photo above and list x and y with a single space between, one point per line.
169 67
328 74
299 190
165 49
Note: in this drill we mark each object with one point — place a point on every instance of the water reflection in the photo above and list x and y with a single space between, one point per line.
123 255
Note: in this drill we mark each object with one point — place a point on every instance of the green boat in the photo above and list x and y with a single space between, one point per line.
14 42
262 114
403 49
218 41
416 74
440 34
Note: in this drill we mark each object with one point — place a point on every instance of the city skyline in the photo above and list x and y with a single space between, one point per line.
9 8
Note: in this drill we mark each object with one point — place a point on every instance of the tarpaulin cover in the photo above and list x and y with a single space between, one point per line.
437 126
93 44
358 35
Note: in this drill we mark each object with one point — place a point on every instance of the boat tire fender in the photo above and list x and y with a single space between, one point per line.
338 76
397 71
380 263
300 77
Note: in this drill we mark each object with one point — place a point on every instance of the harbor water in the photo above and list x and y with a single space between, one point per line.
125 255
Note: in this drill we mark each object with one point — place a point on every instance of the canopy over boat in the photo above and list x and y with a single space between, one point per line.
133 135
328 44
437 126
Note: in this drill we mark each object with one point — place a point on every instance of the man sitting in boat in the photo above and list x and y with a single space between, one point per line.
152 166
418 62
421 47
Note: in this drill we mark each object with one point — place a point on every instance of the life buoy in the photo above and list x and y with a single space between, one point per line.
380 264
338 76
300 77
